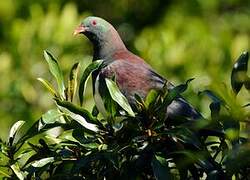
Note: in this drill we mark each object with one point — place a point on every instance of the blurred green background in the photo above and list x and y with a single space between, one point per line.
180 39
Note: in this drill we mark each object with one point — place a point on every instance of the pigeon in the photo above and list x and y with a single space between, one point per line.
132 74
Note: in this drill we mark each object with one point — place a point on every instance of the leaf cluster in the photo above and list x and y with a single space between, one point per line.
140 142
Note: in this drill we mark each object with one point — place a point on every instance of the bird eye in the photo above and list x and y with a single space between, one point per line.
94 22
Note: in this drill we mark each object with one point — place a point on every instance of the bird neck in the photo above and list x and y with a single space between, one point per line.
103 49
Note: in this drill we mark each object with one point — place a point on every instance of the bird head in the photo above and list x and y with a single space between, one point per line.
95 28
102 34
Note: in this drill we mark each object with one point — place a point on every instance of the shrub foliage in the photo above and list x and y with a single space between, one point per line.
69 142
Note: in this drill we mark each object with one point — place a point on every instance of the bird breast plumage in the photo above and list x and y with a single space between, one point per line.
132 78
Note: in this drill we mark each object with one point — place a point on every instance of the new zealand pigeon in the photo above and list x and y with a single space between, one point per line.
133 75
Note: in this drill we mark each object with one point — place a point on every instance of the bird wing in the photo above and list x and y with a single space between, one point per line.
137 77
132 78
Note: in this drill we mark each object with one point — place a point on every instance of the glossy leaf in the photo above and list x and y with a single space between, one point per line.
77 110
212 96
17 171
88 142
4 173
184 135
56 72
111 107
83 122
72 82
140 104
13 131
48 86
183 87
77 117
139 99
174 93
215 174
215 106
239 72
160 168
43 162
118 97
91 68
37 128
195 157
215 109
151 97
52 116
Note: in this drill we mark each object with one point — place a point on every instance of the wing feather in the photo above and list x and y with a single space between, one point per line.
137 77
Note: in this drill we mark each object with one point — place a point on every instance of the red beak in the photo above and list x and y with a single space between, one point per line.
80 29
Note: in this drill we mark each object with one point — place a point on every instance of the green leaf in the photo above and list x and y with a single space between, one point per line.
111 107
78 114
118 97
175 92
193 157
48 86
186 136
239 154
91 68
160 168
56 72
4 173
169 95
37 128
88 142
139 100
215 109
81 120
215 106
77 110
17 171
52 116
215 174
72 82
151 97
13 131
239 72
42 162
95 111
247 83
183 87
211 95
